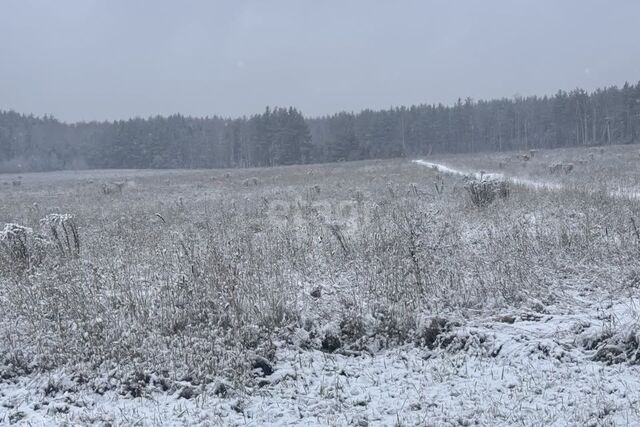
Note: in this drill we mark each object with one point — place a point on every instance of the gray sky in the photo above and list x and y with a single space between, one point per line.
111 59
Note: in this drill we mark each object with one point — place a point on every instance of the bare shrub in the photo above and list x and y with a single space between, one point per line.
561 167
64 234
555 168
113 187
251 182
484 191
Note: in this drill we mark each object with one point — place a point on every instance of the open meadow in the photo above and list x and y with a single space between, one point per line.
355 293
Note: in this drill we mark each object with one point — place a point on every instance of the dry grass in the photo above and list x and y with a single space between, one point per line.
186 276
606 168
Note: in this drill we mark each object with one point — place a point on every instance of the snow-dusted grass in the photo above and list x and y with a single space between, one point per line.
608 169
375 291
529 183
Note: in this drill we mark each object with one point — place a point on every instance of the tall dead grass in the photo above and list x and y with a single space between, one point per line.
231 271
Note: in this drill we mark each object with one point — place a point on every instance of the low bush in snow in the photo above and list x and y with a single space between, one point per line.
484 190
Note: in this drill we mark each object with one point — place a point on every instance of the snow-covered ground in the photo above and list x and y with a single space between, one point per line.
524 368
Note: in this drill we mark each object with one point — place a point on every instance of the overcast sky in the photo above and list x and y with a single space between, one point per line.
111 59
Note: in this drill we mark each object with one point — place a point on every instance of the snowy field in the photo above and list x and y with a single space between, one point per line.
366 293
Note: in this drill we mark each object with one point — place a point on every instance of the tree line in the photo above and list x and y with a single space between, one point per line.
283 136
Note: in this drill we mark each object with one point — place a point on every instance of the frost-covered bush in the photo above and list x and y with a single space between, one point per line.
485 190
15 247
21 248
63 232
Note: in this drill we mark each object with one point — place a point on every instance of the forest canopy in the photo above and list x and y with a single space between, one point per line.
283 136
